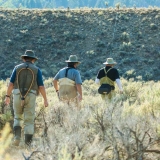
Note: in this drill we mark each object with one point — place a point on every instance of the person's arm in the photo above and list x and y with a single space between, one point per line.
98 77
9 91
79 89
55 84
43 93
97 81
41 87
10 87
78 82
119 84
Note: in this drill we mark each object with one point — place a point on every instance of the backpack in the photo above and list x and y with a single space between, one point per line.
105 88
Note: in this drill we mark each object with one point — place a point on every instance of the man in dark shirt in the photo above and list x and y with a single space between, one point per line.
109 75
25 83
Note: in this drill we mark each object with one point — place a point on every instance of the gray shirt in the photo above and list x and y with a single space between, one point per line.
72 74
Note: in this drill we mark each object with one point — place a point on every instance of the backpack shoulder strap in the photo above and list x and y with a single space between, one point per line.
106 71
67 71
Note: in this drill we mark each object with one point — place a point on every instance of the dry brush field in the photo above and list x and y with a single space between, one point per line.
125 129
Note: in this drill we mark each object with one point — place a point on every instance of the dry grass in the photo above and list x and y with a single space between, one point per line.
126 128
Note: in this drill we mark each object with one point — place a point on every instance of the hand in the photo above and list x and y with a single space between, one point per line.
7 101
79 97
121 92
58 94
45 103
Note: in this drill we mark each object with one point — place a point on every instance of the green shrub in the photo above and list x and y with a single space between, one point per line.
153 26
125 46
125 37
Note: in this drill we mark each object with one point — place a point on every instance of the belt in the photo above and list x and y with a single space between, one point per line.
17 91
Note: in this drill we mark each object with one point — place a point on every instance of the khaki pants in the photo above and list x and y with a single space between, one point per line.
108 96
24 114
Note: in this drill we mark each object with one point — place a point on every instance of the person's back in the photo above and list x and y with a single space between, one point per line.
26 74
67 81
25 83
109 75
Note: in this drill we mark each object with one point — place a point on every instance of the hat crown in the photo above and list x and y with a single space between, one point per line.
110 61
29 53
73 58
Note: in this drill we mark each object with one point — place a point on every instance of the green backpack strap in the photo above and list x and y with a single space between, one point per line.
107 71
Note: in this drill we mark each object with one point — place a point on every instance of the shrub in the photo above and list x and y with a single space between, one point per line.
125 37
153 26
125 46
118 5
5 140
100 129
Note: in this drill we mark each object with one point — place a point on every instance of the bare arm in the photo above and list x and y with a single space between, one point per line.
79 89
55 84
43 93
9 90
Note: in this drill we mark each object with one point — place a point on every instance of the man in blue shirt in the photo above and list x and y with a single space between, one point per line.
25 84
67 82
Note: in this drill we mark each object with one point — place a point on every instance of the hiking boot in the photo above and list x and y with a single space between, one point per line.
17 135
28 139
16 142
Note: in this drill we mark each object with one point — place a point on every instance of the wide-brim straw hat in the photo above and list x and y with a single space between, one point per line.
110 61
73 58
29 53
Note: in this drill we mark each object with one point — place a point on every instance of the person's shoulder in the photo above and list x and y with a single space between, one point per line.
19 65
62 69
36 67
101 69
76 70
115 69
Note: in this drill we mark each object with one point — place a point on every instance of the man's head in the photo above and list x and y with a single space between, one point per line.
73 61
110 62
29 56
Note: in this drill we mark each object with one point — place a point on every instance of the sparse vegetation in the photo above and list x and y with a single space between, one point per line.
55 34
127 127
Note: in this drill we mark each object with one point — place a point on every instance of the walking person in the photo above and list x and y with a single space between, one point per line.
67 82
25 84
109 75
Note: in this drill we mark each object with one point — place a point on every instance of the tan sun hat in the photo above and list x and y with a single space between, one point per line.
73 58
29 53
110 61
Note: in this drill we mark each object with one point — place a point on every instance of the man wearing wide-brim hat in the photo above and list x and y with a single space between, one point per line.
109 75
67 82
25 83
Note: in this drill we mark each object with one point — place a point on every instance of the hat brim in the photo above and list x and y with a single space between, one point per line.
29 56
110 63
73 61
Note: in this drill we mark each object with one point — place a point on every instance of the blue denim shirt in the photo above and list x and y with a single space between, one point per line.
73 74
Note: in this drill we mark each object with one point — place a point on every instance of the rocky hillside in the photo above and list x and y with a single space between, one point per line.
77 3
130 36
